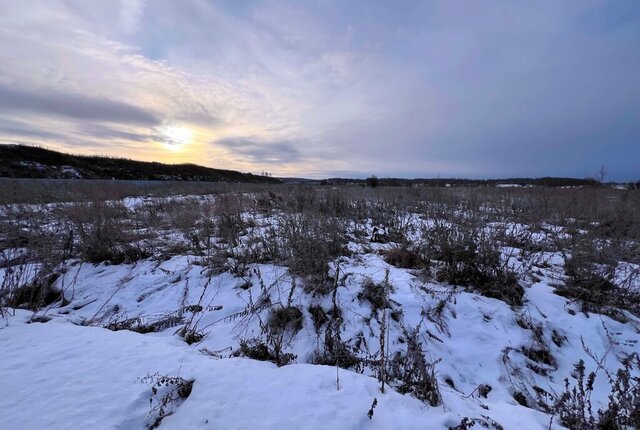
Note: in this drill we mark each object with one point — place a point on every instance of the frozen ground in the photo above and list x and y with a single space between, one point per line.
72 365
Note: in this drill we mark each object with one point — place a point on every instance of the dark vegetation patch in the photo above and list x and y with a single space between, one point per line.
594 280
139 325
573 406
258 350
336 352
167 393
404 257
410 372
310 242
376 294
36 294
285 319
469 257
318 316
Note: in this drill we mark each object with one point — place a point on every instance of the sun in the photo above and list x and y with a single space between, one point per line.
175 137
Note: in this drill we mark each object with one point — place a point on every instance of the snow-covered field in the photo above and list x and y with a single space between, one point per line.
95 355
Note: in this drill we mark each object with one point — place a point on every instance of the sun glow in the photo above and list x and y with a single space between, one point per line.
175 137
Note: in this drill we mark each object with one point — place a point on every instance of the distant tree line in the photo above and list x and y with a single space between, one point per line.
374 181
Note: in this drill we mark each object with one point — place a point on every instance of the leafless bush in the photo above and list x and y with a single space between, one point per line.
104 233
404 256
35 294
318 316
190 331
574 408
483 422
410 372
167 393
33 245
145 325
185 214
335 351
470 257
594 278
285 319
229 220
257 349
310 242
376 294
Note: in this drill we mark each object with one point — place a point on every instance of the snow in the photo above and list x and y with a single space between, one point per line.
87 375
72 372
90 377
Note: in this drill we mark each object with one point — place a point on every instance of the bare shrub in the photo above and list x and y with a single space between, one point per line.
256 349
483 422
285 319
377 294
574 408
145 325
538 353
593 278
190 331
32 247
318 316
310 242
409 372
470 257
36 294
105 234
335 202
336 352
229 220
405 257
585 284
624 401
167 393
280 327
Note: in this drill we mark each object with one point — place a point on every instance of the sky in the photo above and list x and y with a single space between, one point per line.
326 88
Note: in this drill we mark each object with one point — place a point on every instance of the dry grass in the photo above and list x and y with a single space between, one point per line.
437 230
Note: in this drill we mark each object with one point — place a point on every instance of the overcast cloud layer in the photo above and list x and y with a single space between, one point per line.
328 87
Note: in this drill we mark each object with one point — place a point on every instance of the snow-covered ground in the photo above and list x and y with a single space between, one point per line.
60 376
68 366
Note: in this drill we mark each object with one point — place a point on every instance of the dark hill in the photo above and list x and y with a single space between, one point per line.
20 161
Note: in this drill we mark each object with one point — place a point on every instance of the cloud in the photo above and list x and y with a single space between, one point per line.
131 13
260 152
107 132
75 106
10 128
410 88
